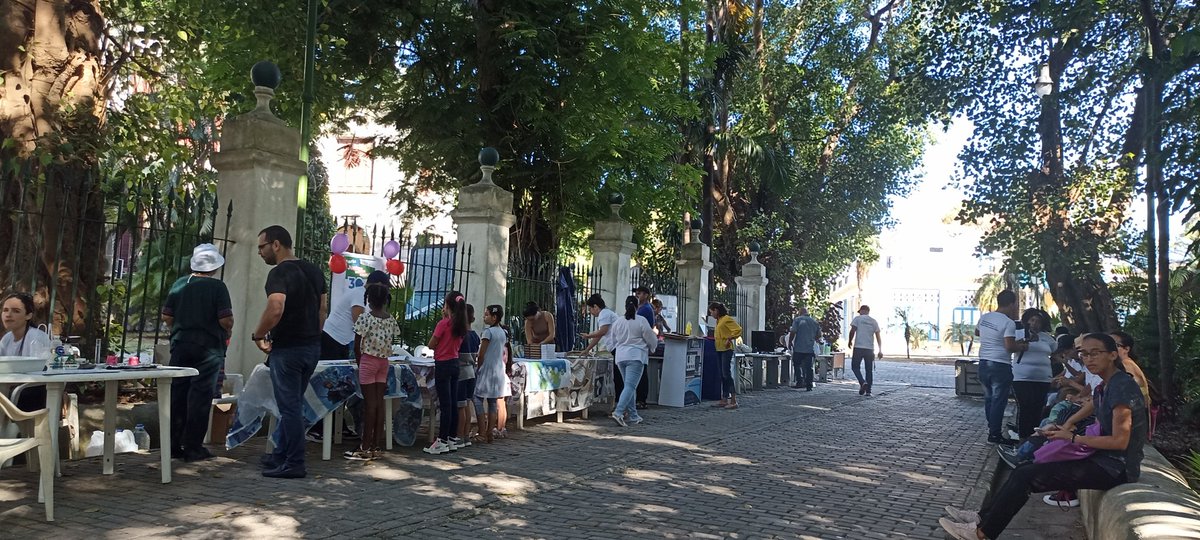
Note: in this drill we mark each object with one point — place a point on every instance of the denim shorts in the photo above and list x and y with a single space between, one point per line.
466 391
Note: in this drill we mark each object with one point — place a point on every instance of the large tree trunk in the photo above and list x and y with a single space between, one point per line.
53 96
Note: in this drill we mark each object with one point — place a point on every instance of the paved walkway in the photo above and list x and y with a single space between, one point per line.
788 464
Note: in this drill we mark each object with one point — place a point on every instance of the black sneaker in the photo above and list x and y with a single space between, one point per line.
1008 455
314 436
201 454
862 389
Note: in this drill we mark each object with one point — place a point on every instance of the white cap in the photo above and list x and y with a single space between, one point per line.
206 258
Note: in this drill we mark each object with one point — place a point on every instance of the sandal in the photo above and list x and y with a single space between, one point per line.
731 406
720 404
358 455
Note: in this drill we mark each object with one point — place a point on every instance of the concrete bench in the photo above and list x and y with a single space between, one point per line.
1159 506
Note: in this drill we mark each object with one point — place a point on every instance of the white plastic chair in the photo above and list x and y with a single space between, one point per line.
41 441
236 383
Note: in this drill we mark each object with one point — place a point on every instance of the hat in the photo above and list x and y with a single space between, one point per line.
379 276
206 258
641 288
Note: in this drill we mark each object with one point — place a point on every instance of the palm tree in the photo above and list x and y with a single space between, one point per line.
961 332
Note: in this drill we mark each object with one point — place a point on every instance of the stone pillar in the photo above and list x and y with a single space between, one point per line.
612 252
693 276
753 283
259 172
484 218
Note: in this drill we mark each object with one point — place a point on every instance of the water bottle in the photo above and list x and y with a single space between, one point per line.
141 437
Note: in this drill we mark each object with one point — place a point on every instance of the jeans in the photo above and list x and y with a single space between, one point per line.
727 386
1038 478
291 369
857 358
643 386
631 372
1031 401
445 376
802 366
996 379
191 397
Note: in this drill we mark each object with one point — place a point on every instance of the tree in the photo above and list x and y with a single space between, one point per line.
1059 211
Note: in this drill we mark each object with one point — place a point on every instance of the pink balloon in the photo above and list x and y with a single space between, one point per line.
391 249
339 243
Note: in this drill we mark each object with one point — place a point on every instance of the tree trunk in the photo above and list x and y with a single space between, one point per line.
52 96
1079 290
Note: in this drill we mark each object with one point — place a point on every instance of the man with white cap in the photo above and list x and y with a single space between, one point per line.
200 316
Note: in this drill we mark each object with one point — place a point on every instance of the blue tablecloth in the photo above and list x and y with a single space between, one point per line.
332 384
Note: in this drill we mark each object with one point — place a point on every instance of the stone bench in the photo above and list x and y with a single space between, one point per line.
1159 506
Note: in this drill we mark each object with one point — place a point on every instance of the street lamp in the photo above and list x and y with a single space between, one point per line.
1044 84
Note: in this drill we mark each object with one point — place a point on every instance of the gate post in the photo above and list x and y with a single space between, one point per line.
259 171
612 252
694 267
754 282
484 218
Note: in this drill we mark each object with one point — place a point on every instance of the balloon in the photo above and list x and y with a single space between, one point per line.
391 249
339 243
395 267
337 263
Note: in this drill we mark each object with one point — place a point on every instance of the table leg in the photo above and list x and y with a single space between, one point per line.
521 413
338 414
110 424
271 421
387 423
164 428
54 394
327 437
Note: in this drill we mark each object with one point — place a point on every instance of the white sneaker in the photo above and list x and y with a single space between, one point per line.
437 447
620 420
962 516
1061 499
636 420
455 443
959 531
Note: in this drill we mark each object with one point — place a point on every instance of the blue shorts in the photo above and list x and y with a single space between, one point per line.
466 391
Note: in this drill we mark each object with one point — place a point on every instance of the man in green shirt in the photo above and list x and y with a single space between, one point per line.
200 315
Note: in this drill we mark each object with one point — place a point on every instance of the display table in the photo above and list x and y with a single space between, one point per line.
332 384
835 362
756 365
56 381
561 385
681 377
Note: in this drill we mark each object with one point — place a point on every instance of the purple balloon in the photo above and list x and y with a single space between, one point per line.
339 243
391 249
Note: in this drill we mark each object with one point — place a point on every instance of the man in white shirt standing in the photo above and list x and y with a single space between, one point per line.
997 331
862 329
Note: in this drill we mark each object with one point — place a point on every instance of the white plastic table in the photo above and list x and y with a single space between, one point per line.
56 381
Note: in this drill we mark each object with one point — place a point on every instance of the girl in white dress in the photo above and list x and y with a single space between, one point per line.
491 382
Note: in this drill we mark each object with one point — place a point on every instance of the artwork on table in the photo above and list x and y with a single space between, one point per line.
571 385
330 387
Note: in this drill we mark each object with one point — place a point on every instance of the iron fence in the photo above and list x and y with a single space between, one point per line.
541 279
735 301
432 268
100 256
665 286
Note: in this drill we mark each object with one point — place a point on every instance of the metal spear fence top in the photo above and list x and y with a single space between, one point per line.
115 251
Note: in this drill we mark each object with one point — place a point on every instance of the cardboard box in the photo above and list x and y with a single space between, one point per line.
222 417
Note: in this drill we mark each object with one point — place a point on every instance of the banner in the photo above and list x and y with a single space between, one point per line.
348 286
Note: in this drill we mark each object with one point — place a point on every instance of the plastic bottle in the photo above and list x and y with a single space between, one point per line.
142 437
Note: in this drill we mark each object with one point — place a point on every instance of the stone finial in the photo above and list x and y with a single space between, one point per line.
266 77
488 158
755 249
696 225
615 202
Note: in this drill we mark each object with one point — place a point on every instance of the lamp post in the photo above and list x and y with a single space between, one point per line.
1049 124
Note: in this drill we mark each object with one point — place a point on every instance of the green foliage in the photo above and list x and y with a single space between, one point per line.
318 224
109 316
960 333
831 326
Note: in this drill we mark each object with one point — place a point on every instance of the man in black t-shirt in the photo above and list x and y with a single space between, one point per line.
200 316
289 332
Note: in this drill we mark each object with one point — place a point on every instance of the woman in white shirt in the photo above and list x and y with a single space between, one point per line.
632 338
1031 370
23 338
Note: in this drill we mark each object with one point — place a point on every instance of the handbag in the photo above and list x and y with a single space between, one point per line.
1063 450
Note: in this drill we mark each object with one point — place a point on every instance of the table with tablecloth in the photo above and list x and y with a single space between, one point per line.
332 384
557 386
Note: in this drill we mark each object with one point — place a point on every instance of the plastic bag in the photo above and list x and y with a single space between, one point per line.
258 396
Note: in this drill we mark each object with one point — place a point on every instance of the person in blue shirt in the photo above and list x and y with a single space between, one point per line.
645 311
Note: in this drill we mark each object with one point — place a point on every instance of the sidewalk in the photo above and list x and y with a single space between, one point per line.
788 464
